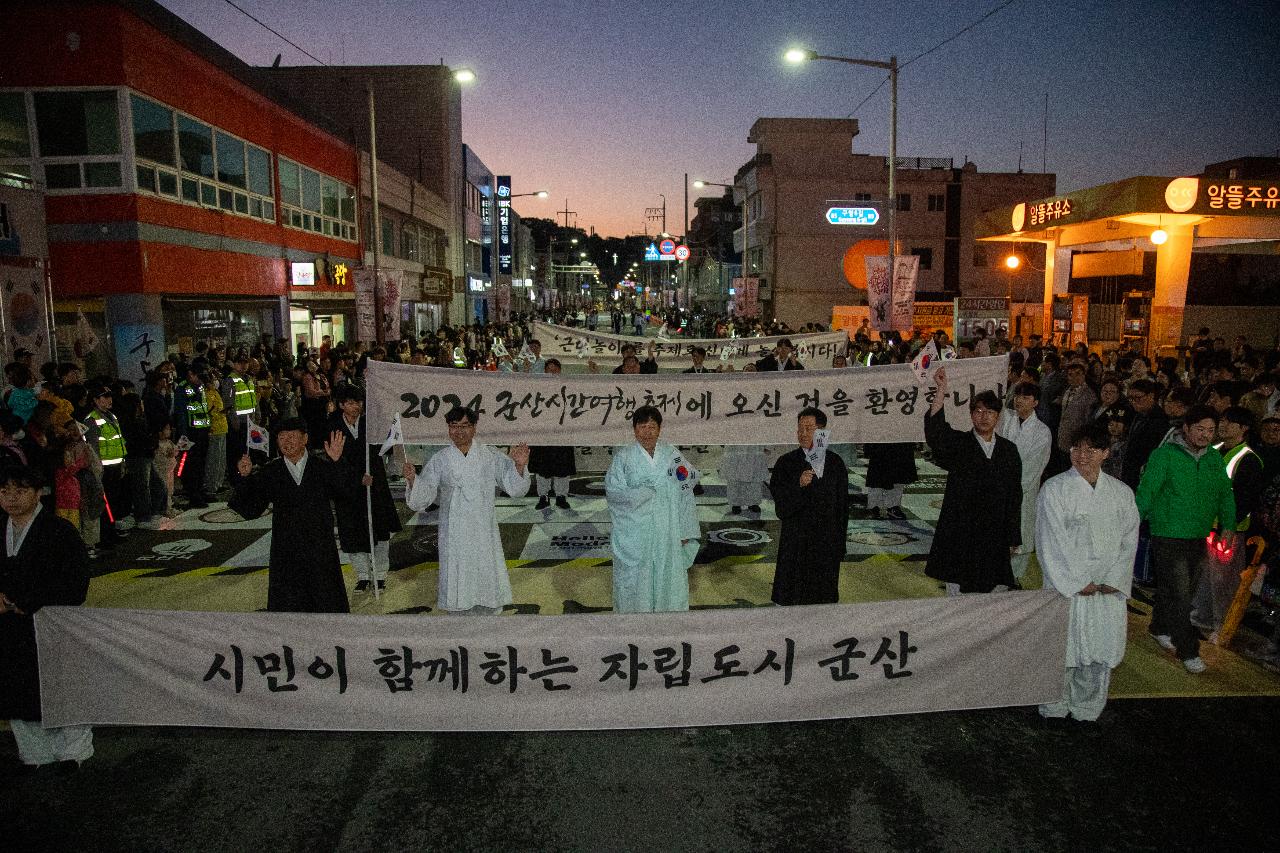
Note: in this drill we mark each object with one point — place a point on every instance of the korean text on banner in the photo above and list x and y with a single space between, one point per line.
577 346
872 405
524 673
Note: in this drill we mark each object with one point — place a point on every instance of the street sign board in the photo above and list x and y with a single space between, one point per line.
853 215
667 246
651 253
682 253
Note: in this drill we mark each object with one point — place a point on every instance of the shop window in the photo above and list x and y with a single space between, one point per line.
15 143
77 124
153 131
230 160
195 147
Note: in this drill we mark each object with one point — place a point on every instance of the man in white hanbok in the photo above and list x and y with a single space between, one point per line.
462 478
1086 538
655 531
1034 441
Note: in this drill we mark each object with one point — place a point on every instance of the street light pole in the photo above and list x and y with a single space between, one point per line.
798 55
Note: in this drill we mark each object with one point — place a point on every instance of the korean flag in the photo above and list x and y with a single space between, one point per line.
257 438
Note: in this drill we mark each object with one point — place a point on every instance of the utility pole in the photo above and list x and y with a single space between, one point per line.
566 213
684 238
376 237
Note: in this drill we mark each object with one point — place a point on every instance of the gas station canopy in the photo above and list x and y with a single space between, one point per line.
1170 216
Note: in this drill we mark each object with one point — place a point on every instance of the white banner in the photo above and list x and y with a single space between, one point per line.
865 405
576 346
902 312
524 673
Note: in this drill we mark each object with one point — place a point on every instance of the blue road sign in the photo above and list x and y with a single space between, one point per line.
853 215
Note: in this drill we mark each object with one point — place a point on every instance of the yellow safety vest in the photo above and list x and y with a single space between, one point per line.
245 401
110 441
1233 459
197 410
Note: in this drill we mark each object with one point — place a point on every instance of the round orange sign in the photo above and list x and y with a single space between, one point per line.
855 265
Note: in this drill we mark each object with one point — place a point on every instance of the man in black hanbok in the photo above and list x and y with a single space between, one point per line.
305 574
814 511
980 522
353 508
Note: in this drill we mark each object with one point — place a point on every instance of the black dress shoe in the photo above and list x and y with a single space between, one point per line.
382 586
754 507
734 510
362 586
896 513
562 502
543 502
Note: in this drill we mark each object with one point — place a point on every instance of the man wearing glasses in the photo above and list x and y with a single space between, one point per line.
1146 432
1183 491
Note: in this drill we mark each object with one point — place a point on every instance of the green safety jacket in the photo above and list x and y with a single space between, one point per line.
192 403
110 442
245 401
1233 458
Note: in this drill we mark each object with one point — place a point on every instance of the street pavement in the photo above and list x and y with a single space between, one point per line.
1190 770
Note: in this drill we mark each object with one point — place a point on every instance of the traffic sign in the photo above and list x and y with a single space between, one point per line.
651 253
853 215
682 253
667 246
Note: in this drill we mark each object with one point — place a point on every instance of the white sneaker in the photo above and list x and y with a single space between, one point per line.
1164 641
1195 666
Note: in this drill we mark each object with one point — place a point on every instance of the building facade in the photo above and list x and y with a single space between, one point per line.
182 202
803 167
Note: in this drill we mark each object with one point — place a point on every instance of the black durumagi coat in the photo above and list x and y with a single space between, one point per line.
814 519
305 574
352 507
51 567
981 509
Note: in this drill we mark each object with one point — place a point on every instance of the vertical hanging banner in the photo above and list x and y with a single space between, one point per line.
24 312
879 292
366 323
901 314
504 225
392 284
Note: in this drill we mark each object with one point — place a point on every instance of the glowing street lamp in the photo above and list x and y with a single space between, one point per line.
464 75
797 55
1013 262
1159 236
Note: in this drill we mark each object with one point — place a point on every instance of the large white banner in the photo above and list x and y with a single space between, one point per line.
863 405
519 673
577 346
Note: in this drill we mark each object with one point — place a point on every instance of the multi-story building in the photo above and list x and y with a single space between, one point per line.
804 166
183 203
713 263
418 114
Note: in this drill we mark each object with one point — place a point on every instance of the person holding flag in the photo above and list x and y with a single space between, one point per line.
367 519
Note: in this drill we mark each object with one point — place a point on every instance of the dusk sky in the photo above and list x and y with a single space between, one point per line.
607 104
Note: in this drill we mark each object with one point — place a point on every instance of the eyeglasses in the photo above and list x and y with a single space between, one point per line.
1084 450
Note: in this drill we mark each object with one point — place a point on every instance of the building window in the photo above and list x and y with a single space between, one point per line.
314 202
862 196
979 256
79 138
15 143
409 242
181 157
925 256
904 201
937 202
388 236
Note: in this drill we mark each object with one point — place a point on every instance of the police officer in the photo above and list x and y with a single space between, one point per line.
191 417
104 436
241 401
